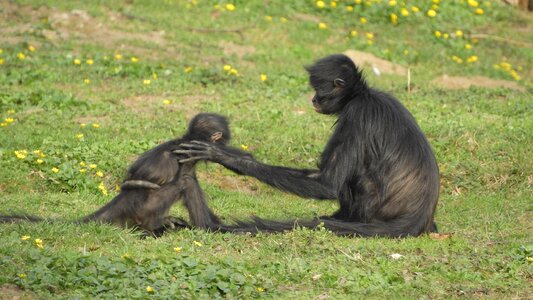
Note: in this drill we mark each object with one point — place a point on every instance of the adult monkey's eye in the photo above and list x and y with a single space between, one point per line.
339 82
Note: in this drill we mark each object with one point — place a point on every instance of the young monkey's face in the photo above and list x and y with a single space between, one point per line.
216 137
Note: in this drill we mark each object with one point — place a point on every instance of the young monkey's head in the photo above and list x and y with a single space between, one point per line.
209 127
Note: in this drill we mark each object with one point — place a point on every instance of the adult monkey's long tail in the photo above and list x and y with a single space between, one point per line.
393 229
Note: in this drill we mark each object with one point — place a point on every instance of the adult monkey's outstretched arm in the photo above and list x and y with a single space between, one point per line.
302 182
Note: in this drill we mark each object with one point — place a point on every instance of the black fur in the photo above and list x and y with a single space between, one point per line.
378 164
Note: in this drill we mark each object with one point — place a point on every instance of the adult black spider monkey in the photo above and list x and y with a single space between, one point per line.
378 164
156 180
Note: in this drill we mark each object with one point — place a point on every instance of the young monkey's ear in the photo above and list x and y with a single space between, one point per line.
337 82
216 136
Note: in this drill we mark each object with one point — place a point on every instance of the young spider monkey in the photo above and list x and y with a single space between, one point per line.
156 180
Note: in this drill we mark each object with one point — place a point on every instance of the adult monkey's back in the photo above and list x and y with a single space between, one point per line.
378 164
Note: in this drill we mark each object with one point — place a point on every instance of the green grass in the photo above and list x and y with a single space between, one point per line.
482 138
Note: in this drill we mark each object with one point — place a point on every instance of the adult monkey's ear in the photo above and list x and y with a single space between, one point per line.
337 82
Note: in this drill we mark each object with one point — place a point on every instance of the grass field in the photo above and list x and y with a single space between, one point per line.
86 86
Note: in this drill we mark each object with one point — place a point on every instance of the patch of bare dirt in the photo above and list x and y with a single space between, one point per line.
240 51
369 60
13 292
239 184
307 18
79 25
457 82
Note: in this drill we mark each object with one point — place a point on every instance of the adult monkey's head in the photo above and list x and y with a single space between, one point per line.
336 80
209 127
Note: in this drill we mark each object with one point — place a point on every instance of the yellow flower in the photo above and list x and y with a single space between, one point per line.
10 111
405 52
322 25
149 289
432 13
234 71
415 9
244 147
357 1
349 8
333 4
369 35
394 18
20 154
21 56
90 62
22 275
79 136
177 249
230 7
25 237
82 125
102 188
55 170
82 164
1 61
263 77
436 1
529 259
320 4
445 36
92 166
166 102
187 69
227 68
260 290
473 3
77 62
472 59
353 33
363 20
39 161
458 33
283 20
82 170
404 12
268 18
147 81
198 244
3 124
86 81
479 11
392 3
31 48
468 46
9 120
96 125
39 243
118 56
134 59
100 174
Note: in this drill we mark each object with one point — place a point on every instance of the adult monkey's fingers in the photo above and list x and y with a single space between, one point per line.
185 160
